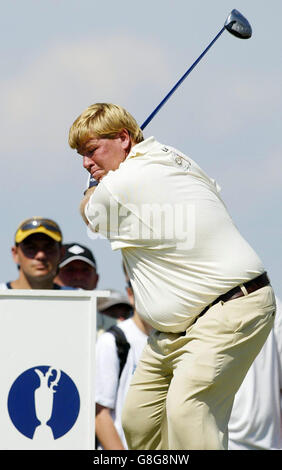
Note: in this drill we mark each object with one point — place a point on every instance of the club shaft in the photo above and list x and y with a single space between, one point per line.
157 109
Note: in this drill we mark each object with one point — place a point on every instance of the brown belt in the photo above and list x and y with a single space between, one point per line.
249 287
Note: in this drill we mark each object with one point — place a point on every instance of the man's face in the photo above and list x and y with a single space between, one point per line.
38 256
118 311
79 274
102 155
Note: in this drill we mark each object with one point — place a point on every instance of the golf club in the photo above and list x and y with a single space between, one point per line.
237 25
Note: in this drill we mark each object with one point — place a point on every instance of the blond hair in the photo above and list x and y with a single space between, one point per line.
103 120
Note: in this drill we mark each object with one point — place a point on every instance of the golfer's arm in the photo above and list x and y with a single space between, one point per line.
105 429
84 201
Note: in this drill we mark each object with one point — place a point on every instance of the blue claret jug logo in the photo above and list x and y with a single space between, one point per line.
43 403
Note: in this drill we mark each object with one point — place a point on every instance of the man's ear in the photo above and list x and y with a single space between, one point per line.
125 140
14 251
130 296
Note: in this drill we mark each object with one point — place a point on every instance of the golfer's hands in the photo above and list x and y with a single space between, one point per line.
84 201
91 183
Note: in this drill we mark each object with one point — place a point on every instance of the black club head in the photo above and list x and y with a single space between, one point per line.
238 25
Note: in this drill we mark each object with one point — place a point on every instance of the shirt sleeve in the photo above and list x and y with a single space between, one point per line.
117 220
118 211
107 371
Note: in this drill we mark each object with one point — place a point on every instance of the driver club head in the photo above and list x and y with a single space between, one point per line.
238 25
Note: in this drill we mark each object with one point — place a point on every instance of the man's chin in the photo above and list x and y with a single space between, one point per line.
79 286
42 275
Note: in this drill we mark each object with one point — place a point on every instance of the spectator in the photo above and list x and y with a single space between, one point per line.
112 383
112 310
256 417
37 252
77 268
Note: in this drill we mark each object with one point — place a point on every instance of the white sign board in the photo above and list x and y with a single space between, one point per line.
47 351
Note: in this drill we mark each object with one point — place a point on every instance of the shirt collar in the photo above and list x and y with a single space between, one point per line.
142 148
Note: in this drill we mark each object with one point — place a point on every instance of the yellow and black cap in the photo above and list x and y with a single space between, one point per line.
38 225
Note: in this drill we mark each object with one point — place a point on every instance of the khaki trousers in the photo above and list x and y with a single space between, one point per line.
183 389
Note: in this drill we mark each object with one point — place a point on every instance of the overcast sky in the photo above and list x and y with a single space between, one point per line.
59 56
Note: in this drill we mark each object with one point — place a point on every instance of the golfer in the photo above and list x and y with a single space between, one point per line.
196 281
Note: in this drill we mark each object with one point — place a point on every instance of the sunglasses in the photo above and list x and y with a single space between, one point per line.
33 223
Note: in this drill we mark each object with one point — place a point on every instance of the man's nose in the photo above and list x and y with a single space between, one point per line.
87 162
40 254
78 275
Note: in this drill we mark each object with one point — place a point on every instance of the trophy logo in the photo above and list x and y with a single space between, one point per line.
43 400
43 403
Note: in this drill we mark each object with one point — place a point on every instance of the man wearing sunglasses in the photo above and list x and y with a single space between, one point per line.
37 252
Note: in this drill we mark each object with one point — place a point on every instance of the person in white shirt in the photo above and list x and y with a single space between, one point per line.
256 417
111 383
196 281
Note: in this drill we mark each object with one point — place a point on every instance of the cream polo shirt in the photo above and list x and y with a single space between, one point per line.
179 244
